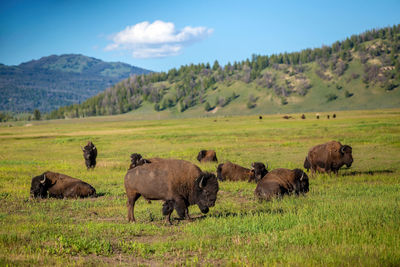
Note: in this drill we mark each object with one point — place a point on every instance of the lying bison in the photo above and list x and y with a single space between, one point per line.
207 155
60 186
179 183
90 155
137 160
233 172
328 157
279 182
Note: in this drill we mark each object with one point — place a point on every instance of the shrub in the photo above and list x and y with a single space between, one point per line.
348 94
331 97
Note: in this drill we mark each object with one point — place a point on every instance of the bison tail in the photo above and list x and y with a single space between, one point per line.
219 172
307 164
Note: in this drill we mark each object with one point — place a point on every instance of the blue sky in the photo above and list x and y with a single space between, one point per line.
160 35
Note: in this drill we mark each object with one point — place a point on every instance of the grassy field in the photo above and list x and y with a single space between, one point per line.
352 219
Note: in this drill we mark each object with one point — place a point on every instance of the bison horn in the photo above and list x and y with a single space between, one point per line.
202 182
44 179
302 176
342 149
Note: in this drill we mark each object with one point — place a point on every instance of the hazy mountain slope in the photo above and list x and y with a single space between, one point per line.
55 81
361 72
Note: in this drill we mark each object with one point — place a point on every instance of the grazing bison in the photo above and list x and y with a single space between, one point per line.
179 183
287 117
207 155
328 157
279 182
233 172
90 155
317 115
260 117
137 160
334 116
60 186
327 116
303 117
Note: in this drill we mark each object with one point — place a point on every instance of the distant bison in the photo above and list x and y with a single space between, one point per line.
137 160
207 155
60 186
334 116
287 117
303 116
279 182
260 117
90 155
179 183
233 172
328 157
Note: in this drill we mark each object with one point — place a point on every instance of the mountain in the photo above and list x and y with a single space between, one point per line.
360 72
55 81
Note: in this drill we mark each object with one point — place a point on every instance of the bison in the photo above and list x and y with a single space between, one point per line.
178 183
233 172
207 155
303 116
60 186
279 182
137 160
328 157
90 155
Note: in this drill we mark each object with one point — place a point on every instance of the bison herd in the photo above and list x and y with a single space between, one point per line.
180 183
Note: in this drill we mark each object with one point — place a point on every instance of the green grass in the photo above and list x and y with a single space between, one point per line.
352 219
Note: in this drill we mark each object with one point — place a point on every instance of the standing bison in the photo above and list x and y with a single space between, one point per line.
60 186
179 183
279 182
90 155
207 155
328 157
233 172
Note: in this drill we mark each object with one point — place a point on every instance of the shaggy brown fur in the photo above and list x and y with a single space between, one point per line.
90 155
179 183
279 182
233 172
207 155
328 157
60 186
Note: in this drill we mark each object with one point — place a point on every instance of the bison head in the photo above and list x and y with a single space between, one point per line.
301 181
346 153
258 171
201 155
206 189
39 186
137 160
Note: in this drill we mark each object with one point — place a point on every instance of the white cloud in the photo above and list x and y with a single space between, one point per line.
157 39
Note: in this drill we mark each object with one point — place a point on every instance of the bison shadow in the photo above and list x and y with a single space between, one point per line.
227 214
353 173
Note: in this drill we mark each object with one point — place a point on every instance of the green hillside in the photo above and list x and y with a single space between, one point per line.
361 72
55 81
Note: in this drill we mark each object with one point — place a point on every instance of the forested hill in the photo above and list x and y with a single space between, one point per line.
361 72
55 81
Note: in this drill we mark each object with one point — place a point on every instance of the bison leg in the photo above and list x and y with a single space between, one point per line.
131 206
168 208
182 209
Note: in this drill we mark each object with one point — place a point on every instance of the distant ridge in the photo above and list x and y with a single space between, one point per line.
58 80
361 72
